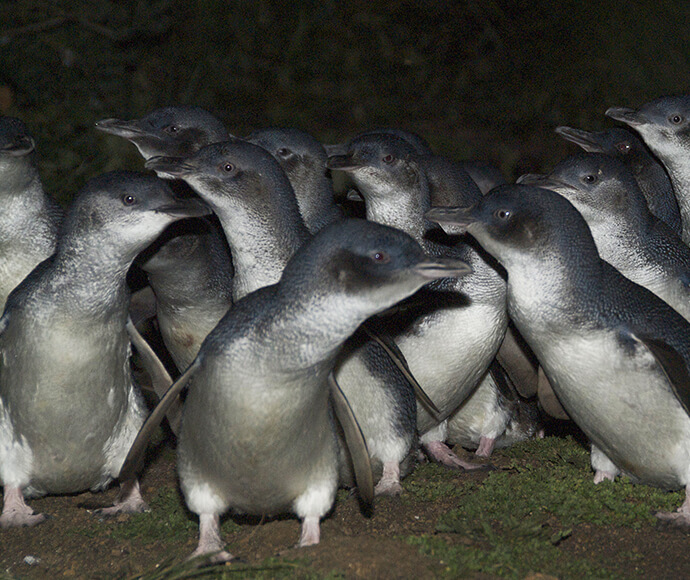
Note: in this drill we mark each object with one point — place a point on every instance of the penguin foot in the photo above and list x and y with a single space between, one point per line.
311 532
210 548
601 475
129 501
677 519
15 512
441 453
389 484
486 446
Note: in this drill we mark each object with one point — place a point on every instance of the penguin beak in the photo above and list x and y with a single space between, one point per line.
342 163
19 147
125 129
544 182
453 220
169 167
579 137
183 208
624 115
442 268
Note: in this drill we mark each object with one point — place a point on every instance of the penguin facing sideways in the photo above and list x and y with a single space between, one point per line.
256 433
69 408
451 336
617 356
253 199
664 125
29 220
189 268
650 175
303 159
628 236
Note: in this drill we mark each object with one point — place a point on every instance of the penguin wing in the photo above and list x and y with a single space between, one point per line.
671 363
134 458
354 438
399 360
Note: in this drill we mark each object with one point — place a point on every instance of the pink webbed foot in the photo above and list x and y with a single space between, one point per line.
600 475
441 453
389 484
15 512
486 446
129 501
311 532
210 544
679 518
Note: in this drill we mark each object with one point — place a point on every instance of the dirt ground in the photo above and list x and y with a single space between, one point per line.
74 543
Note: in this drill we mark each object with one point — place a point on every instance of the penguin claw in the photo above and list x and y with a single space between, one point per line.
21 520
441 453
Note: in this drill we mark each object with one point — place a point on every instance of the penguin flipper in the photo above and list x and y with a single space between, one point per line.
356 444
672 364
399 360
132 462
160 377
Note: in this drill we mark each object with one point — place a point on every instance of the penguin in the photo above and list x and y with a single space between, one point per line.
484 174
69 408
189 268
616 354
628 236
649 173
303 159
30 219
664 127
272 447
462 322
255 203
176 131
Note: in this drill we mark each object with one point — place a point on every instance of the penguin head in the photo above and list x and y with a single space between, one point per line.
17 151
381 164
125 210
518 222
232 176
663 123
362 262
601 187
616 142
299 154
170 131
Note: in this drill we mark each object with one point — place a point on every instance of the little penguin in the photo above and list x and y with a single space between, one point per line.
628 236
303 159
451 333
29 220
616 354
189 269
254 201
649 173
664 125
260 379
69 408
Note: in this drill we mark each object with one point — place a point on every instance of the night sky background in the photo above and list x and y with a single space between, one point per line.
485 79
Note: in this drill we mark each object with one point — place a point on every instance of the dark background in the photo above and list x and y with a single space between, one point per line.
479 79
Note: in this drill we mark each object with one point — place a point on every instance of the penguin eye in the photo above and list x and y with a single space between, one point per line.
623 147
171 129
503 214
589 179
380 257
283 152
387 158
128 199
676 119
228 167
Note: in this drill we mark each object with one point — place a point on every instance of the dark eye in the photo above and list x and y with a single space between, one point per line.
623 147
388 158
283 152
503 214
380 257
228 167
129 199
590 179
676 119
171 129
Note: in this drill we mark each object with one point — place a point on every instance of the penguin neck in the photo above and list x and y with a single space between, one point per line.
316 201
679 173
404 211
261 244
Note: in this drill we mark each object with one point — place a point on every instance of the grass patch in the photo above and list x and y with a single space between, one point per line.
514 522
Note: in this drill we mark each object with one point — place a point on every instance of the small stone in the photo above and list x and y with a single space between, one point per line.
31 560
